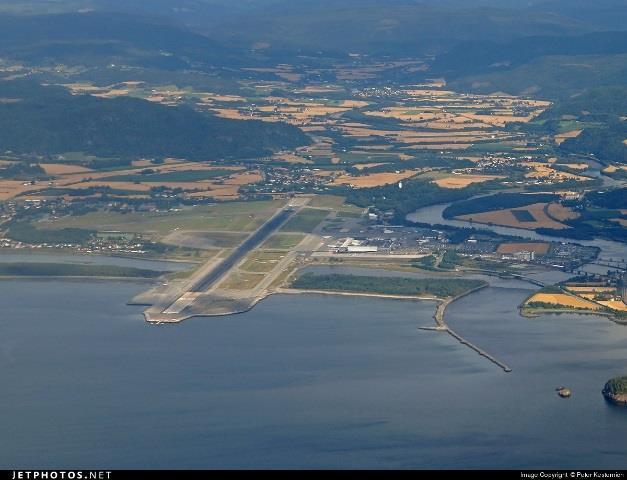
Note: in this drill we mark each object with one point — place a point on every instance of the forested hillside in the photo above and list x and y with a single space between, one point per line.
49 120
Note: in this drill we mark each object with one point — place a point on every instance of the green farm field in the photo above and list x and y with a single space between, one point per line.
235 216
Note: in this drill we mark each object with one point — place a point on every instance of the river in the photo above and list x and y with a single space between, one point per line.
302 381
433 215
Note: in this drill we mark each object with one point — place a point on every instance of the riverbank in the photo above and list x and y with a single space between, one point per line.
433 215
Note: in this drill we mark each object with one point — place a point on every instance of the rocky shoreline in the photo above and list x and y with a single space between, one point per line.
615 391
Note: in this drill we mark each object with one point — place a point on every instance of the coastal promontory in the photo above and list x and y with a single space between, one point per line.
615 391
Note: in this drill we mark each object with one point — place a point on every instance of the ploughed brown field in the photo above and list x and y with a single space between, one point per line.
540 248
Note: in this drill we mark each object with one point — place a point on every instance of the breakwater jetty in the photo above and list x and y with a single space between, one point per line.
443 327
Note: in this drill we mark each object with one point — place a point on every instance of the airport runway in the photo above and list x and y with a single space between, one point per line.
240 252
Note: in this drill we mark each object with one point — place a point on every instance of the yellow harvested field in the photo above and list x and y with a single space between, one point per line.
543 171
211 97
72 179
304 110
587 296
375 179
560 137
218 191
614 168
236 114
82 87
12 188
500 120
461 181
227 188
575 166
354 103
80 178
362 166
375 148
291 158
614 305
541 248
589 289
561 213
320 89
564 300
451 139
139 187
432 83
440 113
114 92
429 93
295 112
63 169
507 219
438 146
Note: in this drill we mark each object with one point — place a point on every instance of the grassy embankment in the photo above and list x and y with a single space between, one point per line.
433 287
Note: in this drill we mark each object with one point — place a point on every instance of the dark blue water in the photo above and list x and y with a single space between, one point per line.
301 381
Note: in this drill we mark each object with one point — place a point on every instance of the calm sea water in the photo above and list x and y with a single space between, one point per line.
82 259
302 381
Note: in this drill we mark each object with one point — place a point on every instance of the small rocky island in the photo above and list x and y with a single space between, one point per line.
615 391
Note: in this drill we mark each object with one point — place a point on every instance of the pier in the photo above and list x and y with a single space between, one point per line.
443 327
